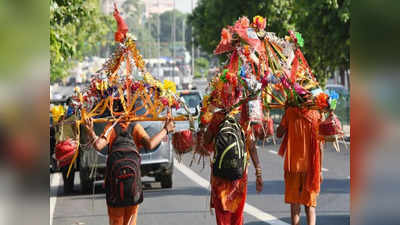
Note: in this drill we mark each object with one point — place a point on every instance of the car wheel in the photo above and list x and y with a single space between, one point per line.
86 182
166 181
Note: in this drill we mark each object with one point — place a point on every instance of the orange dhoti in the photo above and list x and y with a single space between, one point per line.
123 215
228 198
295 191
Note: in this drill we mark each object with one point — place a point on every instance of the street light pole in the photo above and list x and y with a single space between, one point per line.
158 40
173 41
191 5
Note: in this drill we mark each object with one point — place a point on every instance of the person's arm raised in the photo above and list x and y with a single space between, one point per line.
99 143
151 142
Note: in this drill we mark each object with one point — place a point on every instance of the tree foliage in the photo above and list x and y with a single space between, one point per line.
201 67
77 29
166 25
324 24
134 15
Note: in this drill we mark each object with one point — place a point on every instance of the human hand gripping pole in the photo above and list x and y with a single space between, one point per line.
169 124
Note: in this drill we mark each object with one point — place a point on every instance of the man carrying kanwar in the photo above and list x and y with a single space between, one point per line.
123 179
302 152
232 148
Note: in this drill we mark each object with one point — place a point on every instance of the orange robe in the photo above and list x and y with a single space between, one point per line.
301 151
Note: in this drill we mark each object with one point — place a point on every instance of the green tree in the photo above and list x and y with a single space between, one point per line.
208 20
325 27
134 14
166 25
201 67
77 29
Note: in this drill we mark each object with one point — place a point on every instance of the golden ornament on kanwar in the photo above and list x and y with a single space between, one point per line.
143 99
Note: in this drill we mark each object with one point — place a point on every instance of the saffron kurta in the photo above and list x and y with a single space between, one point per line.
301 152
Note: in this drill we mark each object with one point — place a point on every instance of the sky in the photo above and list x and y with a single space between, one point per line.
184 5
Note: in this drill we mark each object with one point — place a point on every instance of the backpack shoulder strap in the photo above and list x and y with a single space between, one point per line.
131 127
117 129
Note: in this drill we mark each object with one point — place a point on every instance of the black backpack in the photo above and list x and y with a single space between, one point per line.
230 155
123 177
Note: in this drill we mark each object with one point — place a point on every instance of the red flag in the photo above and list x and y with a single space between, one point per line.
122 27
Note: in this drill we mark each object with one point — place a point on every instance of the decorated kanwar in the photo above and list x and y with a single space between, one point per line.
116 98
262 72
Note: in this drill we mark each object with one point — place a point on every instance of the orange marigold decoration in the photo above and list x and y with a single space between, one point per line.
321 101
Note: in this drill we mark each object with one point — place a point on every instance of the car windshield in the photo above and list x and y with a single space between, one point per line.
191 99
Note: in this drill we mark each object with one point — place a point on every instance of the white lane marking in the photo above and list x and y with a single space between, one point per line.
55 181
273 152
324 169
263 216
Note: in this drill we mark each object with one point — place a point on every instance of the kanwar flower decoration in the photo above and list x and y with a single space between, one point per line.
259 22
261 69
321 101
57 112
114 86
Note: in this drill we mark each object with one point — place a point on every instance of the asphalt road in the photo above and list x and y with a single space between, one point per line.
187 202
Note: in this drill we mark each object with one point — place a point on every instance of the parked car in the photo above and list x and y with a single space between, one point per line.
157 163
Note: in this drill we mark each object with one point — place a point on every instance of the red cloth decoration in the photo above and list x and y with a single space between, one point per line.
263 130
330 127
241 27
270 127
183 141
225 45
65 151
122 29
295 65
233 66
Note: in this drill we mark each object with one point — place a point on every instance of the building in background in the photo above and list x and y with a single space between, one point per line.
157 6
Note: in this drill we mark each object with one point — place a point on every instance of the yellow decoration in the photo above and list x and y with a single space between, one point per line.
57 112
169 86
260 19
205 100
102 86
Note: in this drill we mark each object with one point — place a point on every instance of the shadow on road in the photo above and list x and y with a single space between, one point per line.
325 220
151 190
277 187
193 191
